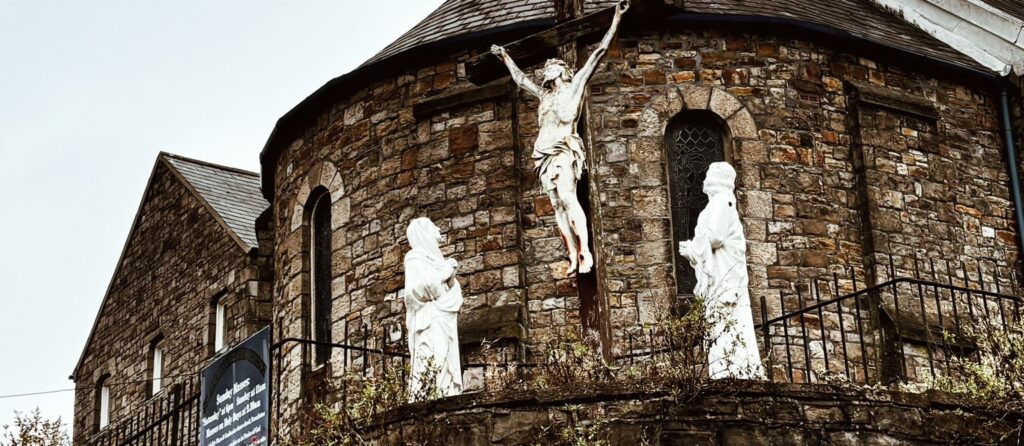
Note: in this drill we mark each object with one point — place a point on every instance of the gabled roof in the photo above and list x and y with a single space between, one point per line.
233 195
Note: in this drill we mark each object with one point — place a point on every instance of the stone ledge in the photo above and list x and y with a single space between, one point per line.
893 100
725 413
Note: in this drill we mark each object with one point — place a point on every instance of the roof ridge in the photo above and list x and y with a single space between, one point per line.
208 164
163 159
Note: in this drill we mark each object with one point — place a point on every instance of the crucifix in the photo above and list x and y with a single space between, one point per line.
558 153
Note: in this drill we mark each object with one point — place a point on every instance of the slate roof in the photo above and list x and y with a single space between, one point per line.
233 194
455 17
1011 7
467 19
859 18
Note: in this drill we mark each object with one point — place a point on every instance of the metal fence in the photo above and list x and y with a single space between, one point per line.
903 330
170 419
906 329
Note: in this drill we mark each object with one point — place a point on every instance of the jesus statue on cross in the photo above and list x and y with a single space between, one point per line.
558 153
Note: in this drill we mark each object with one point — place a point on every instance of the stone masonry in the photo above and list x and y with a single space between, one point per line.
177 260
724 415
845 160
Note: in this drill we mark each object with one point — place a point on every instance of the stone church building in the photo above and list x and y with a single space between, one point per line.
191 281
874 145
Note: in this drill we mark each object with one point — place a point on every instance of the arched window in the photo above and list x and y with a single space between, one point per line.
694 140
102 415
320 275
156 365
220 322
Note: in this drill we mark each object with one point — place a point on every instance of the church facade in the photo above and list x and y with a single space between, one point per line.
190 283
867 151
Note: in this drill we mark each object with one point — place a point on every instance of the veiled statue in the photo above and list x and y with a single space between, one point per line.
718 255
558 154
433 298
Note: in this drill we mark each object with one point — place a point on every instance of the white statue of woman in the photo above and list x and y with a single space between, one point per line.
433 297
718 254
558 152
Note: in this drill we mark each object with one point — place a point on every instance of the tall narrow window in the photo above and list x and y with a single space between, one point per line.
320 267
219 323
694 140
102 403
156 366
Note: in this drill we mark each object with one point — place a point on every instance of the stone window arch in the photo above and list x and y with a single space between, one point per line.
102 397
693 140
219 320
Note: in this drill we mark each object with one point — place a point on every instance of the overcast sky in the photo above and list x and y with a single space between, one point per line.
90 92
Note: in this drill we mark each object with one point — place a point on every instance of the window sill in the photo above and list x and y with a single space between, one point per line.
156 396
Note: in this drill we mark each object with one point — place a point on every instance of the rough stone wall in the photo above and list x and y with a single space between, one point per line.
384 167
752 416
810 198
935 188
177 260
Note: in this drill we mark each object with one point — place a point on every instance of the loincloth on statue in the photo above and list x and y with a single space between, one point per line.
562 158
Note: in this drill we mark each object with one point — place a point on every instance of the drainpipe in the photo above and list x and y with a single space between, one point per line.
1011 159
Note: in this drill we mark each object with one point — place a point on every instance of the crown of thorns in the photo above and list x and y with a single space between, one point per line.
566 71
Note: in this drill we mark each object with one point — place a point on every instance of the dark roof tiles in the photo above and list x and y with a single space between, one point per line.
233 194
1011 7
859 18
456 17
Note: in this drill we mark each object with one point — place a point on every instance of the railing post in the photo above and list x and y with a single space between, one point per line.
175 399
767 337
893 354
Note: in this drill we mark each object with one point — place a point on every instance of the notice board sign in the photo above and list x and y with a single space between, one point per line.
234 398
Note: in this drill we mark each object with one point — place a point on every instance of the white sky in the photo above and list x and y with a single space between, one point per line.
90 92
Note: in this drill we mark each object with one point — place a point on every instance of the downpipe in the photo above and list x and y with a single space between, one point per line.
1011 159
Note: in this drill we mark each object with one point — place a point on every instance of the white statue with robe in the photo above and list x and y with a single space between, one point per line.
718 255
433 298
558 152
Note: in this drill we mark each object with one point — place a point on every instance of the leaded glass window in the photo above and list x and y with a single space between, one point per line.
320 256
693 142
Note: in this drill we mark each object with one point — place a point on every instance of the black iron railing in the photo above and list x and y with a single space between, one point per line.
170 419
905 329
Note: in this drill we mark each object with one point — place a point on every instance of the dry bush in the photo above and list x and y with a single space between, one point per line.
992 377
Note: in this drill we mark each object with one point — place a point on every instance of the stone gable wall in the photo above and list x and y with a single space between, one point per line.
178 259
